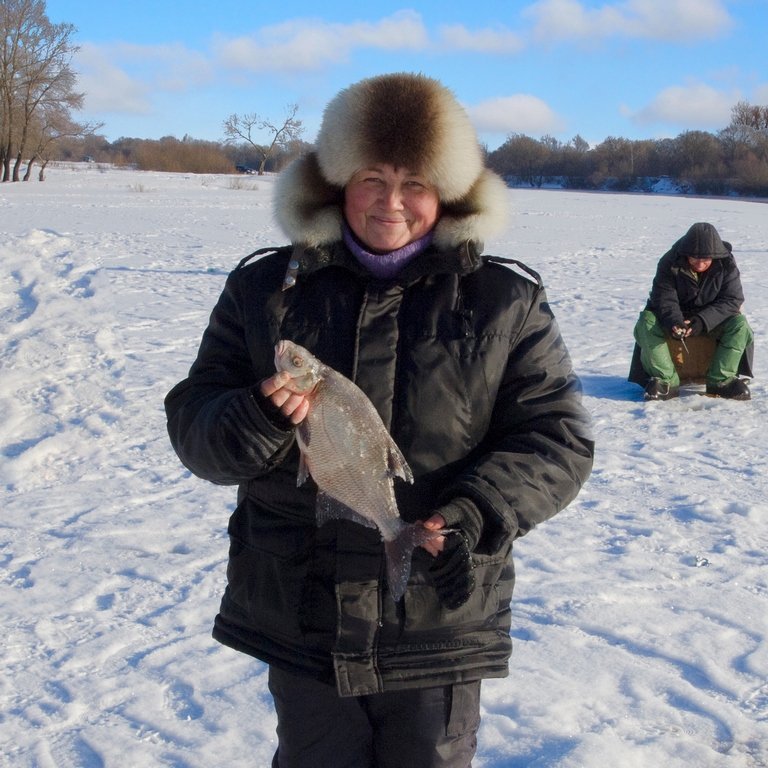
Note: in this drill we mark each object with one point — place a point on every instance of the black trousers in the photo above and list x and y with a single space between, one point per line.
420 728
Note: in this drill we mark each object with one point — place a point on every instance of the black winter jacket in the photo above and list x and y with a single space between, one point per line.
676 295
464 361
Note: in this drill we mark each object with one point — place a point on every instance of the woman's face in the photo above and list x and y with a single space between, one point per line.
388 207
699 265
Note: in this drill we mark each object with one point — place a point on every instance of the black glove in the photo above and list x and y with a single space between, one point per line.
452 571
696 324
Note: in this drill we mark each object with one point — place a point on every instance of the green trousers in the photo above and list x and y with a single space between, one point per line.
732 337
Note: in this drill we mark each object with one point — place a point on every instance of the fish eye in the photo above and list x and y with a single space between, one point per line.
297 361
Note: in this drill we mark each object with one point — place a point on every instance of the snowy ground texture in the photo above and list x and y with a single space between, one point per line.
641 612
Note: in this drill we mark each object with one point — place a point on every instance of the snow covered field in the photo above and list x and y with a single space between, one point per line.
641 612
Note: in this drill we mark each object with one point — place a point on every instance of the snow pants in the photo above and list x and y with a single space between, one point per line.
732 337
419 728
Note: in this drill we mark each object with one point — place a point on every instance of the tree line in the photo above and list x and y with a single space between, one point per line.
239 152
185 155
731 161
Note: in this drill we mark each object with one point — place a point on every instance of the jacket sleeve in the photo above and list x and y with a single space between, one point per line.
539 450
729 298
664 301
219 425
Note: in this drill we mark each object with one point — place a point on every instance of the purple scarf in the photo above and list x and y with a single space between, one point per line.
385 265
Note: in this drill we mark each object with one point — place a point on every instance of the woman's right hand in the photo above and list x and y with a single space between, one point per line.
294 407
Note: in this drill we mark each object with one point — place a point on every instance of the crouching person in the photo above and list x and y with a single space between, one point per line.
696 292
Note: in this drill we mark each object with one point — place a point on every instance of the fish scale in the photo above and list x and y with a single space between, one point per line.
348 452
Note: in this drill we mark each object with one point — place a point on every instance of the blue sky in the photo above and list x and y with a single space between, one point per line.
631 68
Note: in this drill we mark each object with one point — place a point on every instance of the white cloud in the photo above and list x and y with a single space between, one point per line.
310 44
674 20
169 67
305 45
107 87
489 40
697 105
520 113
123 77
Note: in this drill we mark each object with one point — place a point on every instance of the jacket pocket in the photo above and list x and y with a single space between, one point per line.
266 573
487 606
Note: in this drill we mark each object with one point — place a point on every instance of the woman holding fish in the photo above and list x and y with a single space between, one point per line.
395 409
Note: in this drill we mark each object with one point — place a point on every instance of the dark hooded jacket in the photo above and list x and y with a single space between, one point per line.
463 360
678 294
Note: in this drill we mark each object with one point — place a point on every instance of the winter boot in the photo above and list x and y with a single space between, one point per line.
733 389
656 389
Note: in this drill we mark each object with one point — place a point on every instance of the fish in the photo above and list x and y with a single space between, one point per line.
346 449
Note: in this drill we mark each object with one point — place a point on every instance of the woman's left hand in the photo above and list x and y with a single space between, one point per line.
434 545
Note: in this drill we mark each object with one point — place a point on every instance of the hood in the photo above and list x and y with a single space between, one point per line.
702 241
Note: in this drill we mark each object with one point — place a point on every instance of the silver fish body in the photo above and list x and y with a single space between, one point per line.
352 458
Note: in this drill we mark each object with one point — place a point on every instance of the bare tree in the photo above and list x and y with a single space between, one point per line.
573 161
243 128
35 77
49 130
749 115
615 157
522 157
579 144
747 131
699 155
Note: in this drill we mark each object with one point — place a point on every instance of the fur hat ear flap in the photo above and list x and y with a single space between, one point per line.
306 207
406 120
481 213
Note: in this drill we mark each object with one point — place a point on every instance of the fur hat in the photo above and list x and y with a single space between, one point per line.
702 241
406 120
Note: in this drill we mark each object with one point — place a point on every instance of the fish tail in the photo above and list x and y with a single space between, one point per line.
399 552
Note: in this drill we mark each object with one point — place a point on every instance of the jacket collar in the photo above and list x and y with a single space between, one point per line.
305 260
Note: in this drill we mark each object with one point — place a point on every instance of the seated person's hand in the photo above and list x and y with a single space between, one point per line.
695 326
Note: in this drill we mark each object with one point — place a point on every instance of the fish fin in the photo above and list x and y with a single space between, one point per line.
328 508
302 440
397 466
303 473
399 552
